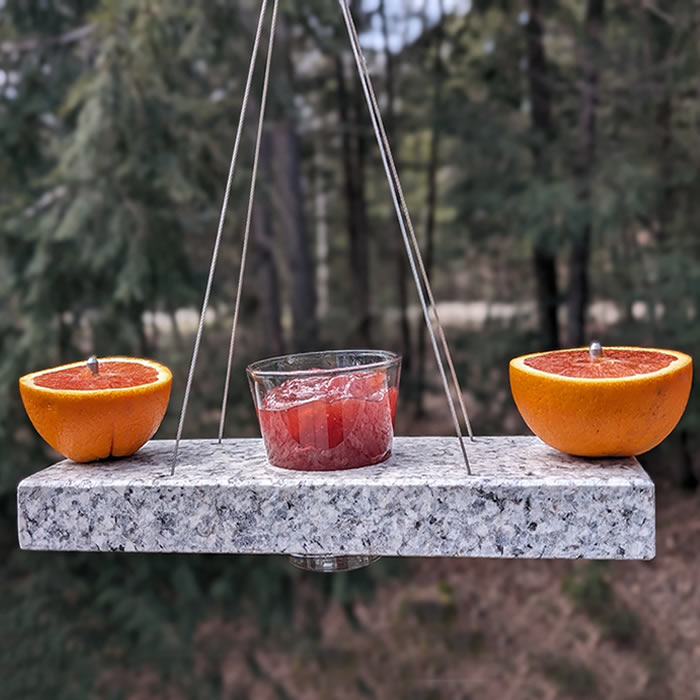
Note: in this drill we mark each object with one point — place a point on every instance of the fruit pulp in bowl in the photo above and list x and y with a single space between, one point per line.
326 410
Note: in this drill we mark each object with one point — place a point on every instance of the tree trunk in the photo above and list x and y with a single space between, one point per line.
578 296
544 261
664 207
546 291
263 239
65 339
431 205
135 311
174 327
400 257
284 143
321 216
662 36
688 480
268 285
353 172
360 251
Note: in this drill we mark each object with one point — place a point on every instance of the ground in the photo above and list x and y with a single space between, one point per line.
486 629
508 630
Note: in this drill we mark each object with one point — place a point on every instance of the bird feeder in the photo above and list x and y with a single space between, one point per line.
510 497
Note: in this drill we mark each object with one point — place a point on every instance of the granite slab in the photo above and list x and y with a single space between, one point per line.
523 500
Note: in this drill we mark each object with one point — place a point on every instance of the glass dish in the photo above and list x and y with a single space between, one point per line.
326 410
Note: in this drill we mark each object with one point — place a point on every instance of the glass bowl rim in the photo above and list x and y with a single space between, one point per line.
391 359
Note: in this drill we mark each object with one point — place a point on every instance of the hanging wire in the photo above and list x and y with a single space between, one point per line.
249 216
424 275
217 243
402 213
405 223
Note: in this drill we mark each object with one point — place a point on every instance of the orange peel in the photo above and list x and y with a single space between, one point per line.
602 416
103 419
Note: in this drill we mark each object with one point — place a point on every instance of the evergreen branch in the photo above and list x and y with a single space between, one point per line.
34 43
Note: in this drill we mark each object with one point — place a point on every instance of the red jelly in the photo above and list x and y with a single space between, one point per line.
329 422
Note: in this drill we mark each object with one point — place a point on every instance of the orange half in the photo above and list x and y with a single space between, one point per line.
87 417
620 405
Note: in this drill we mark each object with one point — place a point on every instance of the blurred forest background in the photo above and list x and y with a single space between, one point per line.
550 153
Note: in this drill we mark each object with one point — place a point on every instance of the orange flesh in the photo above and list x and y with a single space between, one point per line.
613 363
112 375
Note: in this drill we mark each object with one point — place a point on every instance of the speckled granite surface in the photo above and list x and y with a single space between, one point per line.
524 500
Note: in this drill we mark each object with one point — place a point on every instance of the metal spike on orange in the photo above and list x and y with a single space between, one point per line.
103 408
602 402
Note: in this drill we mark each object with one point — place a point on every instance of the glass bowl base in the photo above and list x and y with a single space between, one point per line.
330 563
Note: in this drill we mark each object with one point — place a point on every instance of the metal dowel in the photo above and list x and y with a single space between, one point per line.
249 216
395 188
219 232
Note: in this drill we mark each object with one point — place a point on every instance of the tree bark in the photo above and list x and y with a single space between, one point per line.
662 37
321 215
284 143
546 290
360 251
689 479
174 326
65 339
268 284
544 261
134 312
578 297
431 205
401 264
356 207
664 114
